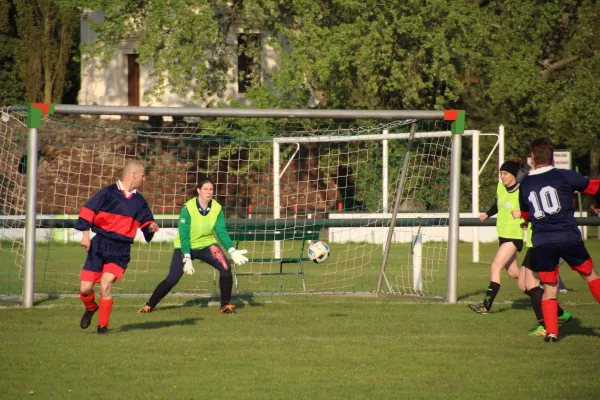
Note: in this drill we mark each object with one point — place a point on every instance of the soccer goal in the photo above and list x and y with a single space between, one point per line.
379 187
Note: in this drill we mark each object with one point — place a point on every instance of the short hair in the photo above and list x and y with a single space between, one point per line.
203 180
133 165
543 151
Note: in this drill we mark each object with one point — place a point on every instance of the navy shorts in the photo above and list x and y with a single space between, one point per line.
527 260
546 258
105 255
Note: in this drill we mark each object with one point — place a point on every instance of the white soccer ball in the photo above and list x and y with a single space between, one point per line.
318 252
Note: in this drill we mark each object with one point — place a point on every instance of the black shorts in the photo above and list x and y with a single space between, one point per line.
546 258
527 260
517 242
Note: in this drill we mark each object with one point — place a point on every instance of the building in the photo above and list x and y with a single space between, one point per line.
123 81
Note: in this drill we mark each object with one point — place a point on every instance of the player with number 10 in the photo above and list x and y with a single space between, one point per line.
546 200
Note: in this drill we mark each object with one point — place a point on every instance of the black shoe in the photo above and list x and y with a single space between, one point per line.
479 308
86 320
102 330
550 338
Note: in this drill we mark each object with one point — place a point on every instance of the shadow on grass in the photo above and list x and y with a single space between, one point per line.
158 324
467 295
519 304
50 298
240 302
574 327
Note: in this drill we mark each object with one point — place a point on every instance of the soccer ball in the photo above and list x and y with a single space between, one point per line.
318 252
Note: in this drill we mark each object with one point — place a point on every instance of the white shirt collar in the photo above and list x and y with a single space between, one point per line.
122 187
541 170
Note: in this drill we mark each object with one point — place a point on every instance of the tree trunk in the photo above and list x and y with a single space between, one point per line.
48 59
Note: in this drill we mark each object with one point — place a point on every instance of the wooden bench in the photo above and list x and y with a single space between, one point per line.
303 234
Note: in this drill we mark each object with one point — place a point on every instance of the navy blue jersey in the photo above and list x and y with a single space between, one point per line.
546 199
116 214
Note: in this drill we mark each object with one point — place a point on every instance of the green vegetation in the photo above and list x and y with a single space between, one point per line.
39 56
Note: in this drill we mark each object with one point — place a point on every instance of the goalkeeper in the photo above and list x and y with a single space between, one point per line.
199 220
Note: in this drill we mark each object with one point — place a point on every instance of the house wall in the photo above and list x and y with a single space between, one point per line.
107 84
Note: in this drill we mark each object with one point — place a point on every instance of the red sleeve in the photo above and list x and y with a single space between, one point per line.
88 213
593 188
524 206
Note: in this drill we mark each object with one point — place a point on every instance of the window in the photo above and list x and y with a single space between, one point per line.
249 50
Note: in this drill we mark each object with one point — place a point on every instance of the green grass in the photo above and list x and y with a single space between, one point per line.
307 347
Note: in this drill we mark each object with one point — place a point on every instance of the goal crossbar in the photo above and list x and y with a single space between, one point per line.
389 136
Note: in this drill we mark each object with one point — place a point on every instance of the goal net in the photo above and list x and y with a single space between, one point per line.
282 184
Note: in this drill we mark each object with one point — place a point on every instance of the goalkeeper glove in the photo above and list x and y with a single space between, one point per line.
188 267
238 256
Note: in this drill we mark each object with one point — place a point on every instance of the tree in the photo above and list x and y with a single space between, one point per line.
370 54
536 75
46 31
12 90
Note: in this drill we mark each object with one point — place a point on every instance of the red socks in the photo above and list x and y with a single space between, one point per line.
105 309
550 311
88 301
595 289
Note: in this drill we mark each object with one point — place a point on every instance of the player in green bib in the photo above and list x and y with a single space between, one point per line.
510 234
200 219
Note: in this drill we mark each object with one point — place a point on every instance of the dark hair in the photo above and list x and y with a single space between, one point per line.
204 180
543 151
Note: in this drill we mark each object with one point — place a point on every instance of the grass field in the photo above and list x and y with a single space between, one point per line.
307 347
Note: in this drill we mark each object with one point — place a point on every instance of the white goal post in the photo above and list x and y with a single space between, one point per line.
384 137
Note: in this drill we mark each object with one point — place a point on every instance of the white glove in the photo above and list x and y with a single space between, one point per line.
188 267
238 256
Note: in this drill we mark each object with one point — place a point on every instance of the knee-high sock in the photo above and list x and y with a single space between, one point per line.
535 295
104 312
550 310
490 295
595 289
162 289
225 284
88 301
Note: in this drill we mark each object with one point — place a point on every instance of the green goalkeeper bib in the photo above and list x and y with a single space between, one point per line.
506 225
202 227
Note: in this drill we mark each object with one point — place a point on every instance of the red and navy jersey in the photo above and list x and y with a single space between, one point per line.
546 199
116 214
